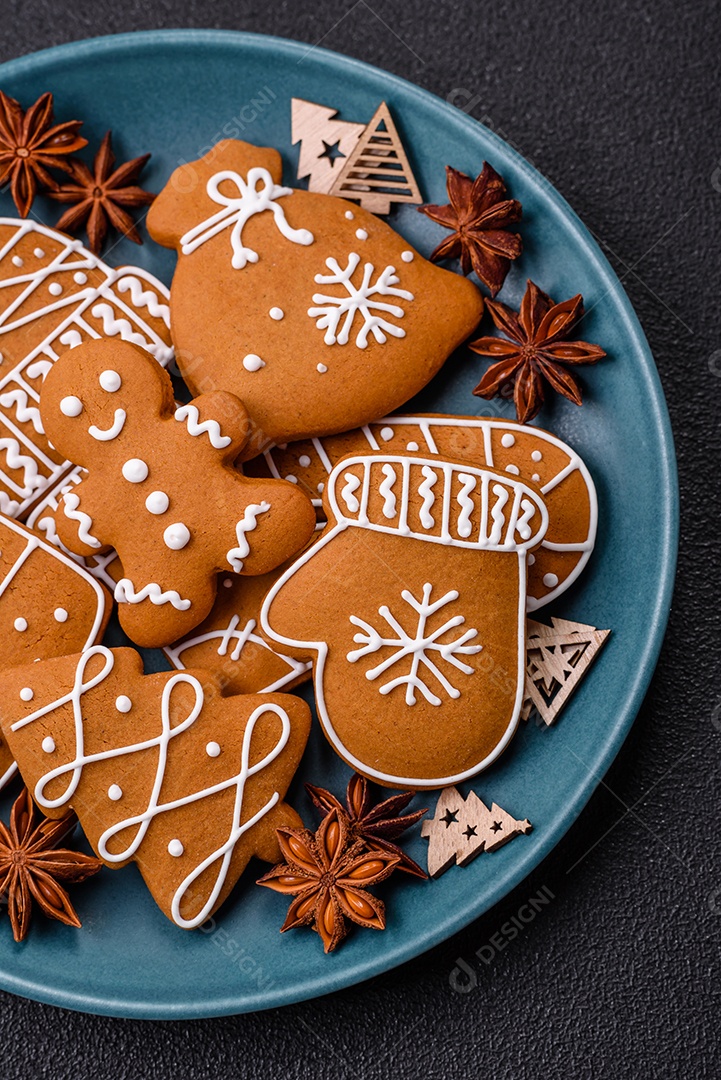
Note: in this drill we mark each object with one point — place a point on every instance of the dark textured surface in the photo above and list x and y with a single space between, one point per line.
619 974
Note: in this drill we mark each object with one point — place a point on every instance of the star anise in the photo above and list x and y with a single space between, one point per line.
479 214
30 144
101 195
378 826
31 866
328 876
537 349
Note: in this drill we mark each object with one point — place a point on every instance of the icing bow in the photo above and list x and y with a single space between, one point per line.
255 194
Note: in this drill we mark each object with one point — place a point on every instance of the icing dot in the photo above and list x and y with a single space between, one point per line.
135 470
276 313
531 559
157 502
176 536
26 694
361 234
115 792
228 584
513 469
60 614
321 486
304 460
536 456
17 261
48 744
212 749
508 440
536 478
21 624
349 215
407 256
175 848
110 381
80 278
55 288
291 479
39 253
123 703
251 362
71 406
387 433
550 581
412 446
321 368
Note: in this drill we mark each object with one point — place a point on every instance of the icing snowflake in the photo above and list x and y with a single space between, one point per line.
336 314
418 647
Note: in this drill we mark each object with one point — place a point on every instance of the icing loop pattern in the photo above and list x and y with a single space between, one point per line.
255 195
336 314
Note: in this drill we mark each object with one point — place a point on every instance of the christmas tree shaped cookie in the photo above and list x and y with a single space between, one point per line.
160 769
314 312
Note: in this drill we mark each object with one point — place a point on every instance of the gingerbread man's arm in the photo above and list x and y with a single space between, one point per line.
218 422
77 528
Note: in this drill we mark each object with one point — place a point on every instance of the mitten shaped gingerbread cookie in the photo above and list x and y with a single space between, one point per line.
313 311
413 605
160 769
161 488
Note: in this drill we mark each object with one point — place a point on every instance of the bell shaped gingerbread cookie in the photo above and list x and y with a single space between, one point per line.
161 489
313 311
413 606
160 769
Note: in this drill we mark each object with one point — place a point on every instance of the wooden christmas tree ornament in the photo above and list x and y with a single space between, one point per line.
377 172
557 658
462 829
325 143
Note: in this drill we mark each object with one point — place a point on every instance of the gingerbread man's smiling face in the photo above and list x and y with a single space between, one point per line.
161 487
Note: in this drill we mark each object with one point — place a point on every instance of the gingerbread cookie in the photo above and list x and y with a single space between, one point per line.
312 310
54 294
161 489
186 783
412 605
505 445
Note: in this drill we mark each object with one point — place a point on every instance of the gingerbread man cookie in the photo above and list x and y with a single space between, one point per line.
412 605
160 771
313 311
161 488
55 294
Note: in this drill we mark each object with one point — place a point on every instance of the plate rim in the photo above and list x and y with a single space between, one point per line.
669 513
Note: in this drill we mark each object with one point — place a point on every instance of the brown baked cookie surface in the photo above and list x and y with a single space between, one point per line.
160 769
313 311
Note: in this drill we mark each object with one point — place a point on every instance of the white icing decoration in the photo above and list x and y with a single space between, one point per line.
412 446
321 368
387 434
536 456
291 479
136 828
176 536
252 362
135 470
213 749
513 469
420 647
17 261
107 434
276 313
349 215
550 581
304 461
407 256
80 278
110 381
48 744
256 194
246 524
26 694
468 484
228 583
531 559
39 253
386 491
347 493
361 234
125 593
497 516
144 298
24 412
71 406
508 440
123 704
425 490
71 502
523 527
536 478
39 369
157 502
211 428
175 848
55 288
60 615
115 792
71 338
20 624
336 314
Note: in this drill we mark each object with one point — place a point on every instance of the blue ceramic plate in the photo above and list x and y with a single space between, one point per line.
176 93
